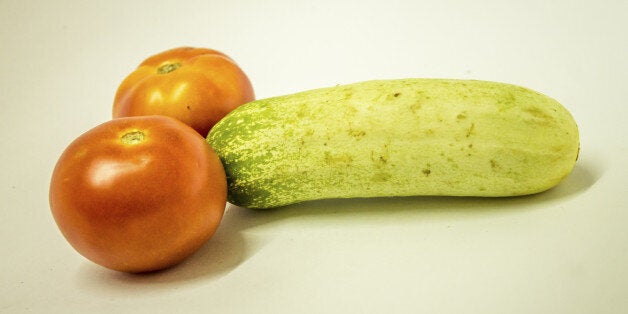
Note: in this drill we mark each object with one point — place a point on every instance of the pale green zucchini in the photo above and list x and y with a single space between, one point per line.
395 138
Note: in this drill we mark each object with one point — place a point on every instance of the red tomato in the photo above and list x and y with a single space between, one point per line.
138 194
195 85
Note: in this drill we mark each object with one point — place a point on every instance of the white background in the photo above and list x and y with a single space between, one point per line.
564 251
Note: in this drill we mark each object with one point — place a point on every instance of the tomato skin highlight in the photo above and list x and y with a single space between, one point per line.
198 86
138 194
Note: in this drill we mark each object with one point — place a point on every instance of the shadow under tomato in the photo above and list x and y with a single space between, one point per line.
216 258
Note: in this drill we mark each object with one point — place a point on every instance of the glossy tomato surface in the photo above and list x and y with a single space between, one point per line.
138 194
198 86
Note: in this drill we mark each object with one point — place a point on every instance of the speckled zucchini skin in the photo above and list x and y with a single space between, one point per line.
395 138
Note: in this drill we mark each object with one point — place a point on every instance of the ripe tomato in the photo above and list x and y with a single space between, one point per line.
195 85
138 194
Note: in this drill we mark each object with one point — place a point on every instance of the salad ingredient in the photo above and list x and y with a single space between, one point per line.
138 194
198 86
395 138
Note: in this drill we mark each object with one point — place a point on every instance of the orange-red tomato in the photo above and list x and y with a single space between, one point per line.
138 194
195 85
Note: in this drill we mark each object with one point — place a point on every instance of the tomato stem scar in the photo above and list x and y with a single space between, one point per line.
168 67
132 138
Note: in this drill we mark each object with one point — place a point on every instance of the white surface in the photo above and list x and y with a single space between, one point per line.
564 251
